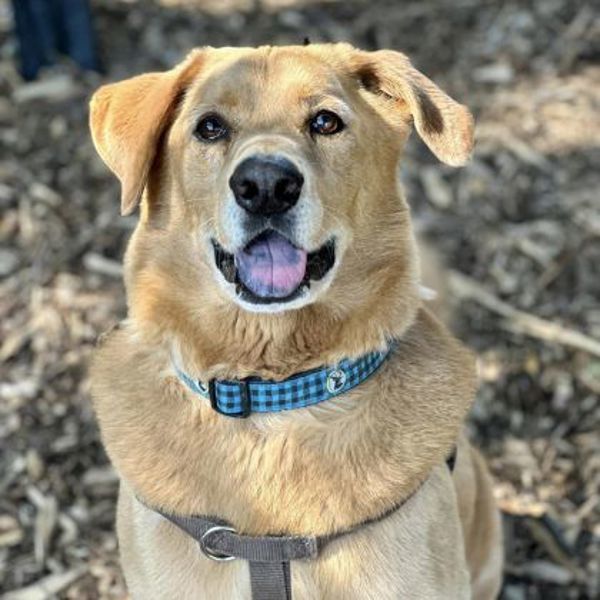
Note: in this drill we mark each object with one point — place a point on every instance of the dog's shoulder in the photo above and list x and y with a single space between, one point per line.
123 364
429 347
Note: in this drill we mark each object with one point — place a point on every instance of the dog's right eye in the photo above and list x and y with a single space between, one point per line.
326 122
211 128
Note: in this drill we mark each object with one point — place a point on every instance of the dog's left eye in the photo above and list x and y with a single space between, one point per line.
326 122
211 128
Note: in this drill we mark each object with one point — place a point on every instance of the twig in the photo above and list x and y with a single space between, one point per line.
47 587
518 321
100 264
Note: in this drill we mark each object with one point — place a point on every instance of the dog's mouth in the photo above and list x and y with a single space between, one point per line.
271 269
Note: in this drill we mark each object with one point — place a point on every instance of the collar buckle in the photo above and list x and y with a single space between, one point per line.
244 399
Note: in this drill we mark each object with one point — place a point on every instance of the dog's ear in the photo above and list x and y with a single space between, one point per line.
443 124
128 118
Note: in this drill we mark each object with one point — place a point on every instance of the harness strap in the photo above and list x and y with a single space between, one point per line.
219 541
268 556
270 581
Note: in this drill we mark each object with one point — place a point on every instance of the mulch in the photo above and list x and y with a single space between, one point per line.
519 228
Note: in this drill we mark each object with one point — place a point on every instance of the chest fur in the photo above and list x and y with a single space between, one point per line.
314 470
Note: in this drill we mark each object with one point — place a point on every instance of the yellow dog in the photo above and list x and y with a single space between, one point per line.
275 244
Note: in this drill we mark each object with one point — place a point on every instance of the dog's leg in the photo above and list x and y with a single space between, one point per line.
480 521
157 556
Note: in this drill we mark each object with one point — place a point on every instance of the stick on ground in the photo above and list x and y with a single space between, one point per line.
518 321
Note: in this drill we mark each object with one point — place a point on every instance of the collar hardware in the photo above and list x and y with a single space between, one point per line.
244 397
336 380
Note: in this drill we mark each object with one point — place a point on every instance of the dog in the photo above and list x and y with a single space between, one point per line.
275 243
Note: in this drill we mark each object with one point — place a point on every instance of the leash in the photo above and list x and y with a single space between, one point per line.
269 556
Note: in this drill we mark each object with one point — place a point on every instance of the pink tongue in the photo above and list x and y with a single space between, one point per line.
271 267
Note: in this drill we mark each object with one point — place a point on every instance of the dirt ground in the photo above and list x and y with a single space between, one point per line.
519 228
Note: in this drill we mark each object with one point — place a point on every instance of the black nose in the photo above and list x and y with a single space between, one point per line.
266 185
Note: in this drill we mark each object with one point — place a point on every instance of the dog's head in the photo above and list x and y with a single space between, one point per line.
269 179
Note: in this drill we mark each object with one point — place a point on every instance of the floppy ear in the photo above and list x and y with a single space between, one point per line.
128 118
443 124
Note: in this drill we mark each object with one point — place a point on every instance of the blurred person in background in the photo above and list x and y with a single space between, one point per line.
47 28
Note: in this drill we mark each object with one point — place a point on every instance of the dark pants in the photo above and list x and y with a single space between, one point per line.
48 27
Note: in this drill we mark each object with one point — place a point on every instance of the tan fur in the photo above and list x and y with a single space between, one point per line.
434 279
310 471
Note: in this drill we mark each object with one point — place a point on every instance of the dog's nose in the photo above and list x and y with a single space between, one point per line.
266 185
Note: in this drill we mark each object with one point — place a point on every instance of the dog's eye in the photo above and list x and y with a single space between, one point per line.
326 122
211 128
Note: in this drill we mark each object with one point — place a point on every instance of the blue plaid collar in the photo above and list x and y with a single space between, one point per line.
240 398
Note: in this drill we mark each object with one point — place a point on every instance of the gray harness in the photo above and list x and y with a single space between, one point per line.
268 556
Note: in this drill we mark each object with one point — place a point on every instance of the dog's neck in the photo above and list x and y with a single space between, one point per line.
234 343
277 347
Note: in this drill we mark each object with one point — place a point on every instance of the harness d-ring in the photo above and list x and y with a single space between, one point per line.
216 556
